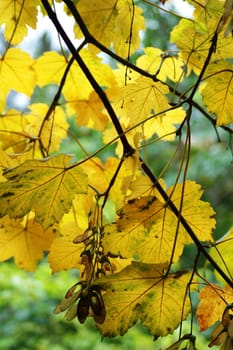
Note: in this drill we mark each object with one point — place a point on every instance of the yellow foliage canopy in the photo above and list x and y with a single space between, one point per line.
107 214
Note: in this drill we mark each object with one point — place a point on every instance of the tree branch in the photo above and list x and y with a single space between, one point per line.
128 150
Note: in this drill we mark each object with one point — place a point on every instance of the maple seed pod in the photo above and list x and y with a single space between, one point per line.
85 257
107 267
83 237
70 292
83 309
71 313
97 306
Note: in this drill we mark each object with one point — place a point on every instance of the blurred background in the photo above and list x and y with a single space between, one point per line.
27 300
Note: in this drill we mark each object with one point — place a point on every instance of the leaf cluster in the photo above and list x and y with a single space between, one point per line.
129 261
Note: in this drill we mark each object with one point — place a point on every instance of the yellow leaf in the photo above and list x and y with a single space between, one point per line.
141 292
51 66
158 62
64 254
46 187
116 22
133 234
194 40
198 214
222 254
164 124
25 242
213 300
147 229
145 98
143 187
50 130
217 91
8 161
17 72
17 15
192 43
3 97
90 112
12 131
96 174
22 131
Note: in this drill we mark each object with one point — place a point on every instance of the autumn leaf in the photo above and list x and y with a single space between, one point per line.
50 68
17 72
193 41
22 131
44 186
163 66
51 130
141 292
114 23
221 252
148 230
164 124
144 98
90 112
17 15
217 91
198 213
25 240
213 300
64 254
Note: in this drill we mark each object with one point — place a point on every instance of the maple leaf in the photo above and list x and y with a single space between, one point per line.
13 136
144 98
198 214
19 129
90 112
148 229
193 41
217 91
50 130
25 241
50 68
117 22
221 252
141 292
46 187
17 15
157 62
64 254
17 72
213 300
164 124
